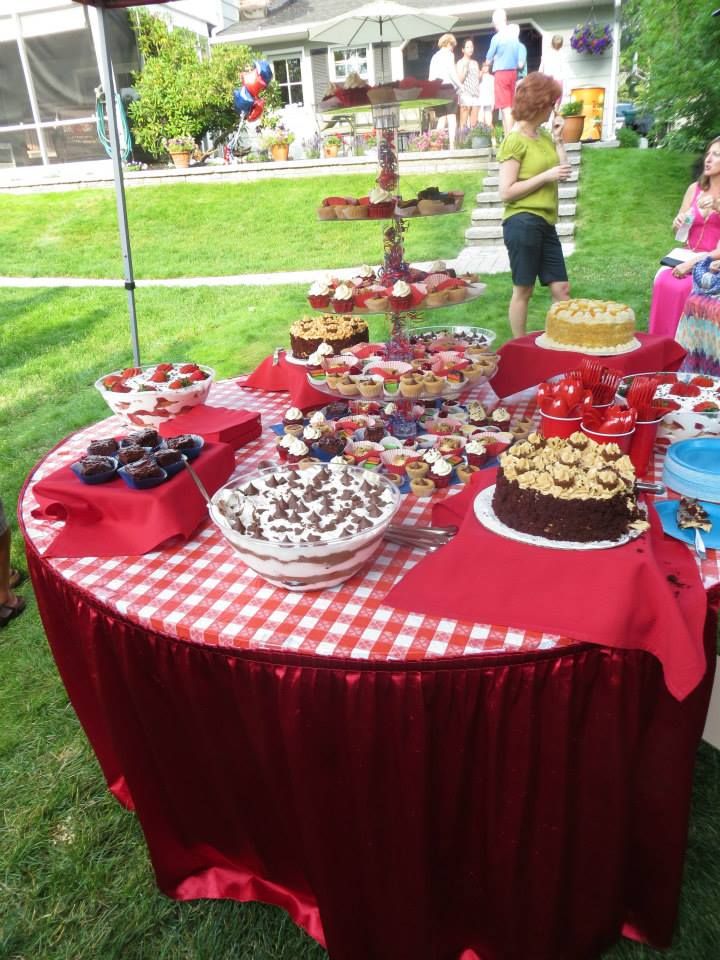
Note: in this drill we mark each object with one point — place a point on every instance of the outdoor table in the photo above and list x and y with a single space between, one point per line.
404 786
523 364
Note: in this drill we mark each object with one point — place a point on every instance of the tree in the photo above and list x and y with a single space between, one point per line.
676 46
184 89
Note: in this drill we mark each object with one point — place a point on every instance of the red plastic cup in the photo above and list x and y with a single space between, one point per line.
623 440
562 427
642 444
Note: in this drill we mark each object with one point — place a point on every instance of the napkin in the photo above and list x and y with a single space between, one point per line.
292 377
110 519
219 424
523 364
644 595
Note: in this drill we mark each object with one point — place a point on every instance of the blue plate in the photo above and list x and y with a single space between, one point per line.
143 483
697 453
667 510
97 477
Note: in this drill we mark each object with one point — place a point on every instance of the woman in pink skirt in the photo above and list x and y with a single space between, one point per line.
672 286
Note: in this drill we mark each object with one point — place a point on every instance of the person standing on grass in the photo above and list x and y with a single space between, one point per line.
504 57
442 67
11 605
532 161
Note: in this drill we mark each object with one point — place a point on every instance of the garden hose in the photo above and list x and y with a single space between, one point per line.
102 127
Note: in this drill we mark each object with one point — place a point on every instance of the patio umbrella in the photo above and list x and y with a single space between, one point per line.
108 82
382 21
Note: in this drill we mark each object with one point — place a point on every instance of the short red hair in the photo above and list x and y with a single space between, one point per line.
535 94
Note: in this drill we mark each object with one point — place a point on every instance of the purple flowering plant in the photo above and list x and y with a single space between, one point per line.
590 38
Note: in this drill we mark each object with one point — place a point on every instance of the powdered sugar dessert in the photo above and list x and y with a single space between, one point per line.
148 396
306 530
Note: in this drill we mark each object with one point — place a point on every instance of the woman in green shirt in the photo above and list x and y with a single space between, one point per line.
532 161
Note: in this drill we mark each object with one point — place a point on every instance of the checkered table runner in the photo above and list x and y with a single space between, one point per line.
202 591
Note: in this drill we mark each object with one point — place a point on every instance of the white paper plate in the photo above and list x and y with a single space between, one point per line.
547 344
489 519
292 359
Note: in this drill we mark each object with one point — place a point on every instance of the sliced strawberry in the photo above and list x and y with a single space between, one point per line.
198 375
130 372
165 367
685 390
109 382
119 387
160 376
706 406
701 381
178 384
665 377
188 368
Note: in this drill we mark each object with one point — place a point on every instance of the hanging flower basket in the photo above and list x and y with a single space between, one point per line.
591 38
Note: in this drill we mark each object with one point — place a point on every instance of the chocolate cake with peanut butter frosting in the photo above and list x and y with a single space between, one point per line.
340 331
573 490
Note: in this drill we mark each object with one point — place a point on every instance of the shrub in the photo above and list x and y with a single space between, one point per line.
183 91
628 137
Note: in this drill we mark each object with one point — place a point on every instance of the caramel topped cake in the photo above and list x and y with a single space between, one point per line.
590 326
339 331
574 489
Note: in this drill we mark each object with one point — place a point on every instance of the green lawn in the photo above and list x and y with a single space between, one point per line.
75 882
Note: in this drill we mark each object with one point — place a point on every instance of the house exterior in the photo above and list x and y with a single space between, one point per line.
280 30
49 71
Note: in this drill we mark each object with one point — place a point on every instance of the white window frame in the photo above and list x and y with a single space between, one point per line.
291 55
369 54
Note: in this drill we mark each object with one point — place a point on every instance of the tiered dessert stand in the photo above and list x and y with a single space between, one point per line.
386 118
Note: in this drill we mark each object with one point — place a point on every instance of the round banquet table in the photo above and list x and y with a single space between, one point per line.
404 786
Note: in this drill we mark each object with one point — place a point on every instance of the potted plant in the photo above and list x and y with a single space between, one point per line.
275 137
180 149
572 111
590 38
332 145
480 136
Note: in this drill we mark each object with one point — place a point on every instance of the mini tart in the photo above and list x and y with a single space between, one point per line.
347 387
370 388
411 387
434 385
294 429
437 298
417 469
457 294
377 304
326 213
465 471
422 487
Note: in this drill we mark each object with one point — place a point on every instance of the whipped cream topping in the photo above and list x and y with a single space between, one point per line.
401 289
378 195
293 415
343 292
318 418
316 505
441 468
319 289
298 448
432 456
366 272
476 447
311 433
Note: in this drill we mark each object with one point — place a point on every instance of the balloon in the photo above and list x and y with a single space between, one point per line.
264 69
243 100
257 109
254 83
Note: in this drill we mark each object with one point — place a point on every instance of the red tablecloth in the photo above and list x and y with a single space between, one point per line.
404 785
111 520
594 594
523 364
286 376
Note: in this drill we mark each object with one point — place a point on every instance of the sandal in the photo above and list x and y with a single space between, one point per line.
8 611
16 578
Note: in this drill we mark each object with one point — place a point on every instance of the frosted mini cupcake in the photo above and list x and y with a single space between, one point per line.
401 296
440 473
342 300
319 295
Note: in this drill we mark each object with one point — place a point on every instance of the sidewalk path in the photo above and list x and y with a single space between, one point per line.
492 261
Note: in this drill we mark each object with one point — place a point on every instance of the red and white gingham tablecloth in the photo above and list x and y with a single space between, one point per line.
202 591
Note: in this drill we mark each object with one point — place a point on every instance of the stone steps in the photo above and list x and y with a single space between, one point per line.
566 211
491 234
483 238
492 197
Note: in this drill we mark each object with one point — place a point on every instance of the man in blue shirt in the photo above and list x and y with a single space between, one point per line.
505 57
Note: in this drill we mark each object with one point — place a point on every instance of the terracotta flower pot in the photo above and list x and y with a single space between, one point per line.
331 150
181 158
280 151
572 129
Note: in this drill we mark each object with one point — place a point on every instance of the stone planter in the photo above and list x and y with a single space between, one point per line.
572 129
181 158
280 151
479 142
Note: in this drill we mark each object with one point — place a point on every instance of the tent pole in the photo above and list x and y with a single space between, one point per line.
109 88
